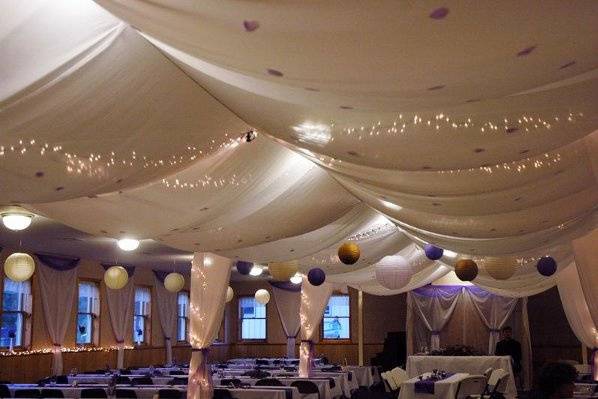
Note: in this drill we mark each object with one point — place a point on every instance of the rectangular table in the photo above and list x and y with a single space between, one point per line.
443 389
418 365
323 385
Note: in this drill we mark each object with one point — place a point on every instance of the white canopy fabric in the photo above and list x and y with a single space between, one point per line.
464 126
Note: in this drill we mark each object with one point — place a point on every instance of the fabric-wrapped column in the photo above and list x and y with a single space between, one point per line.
313 301
210 276
58 290
120 308
167 311
288 304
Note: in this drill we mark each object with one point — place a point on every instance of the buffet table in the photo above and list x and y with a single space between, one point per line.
418 365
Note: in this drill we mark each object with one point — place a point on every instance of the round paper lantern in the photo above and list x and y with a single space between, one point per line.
244 267
174 282
262 296
116 277
229 294
282 271
500 268
19 267
316 276
349 253
433 252
546 266
393 272
466 269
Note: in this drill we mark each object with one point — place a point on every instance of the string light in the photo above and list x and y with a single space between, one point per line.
63 350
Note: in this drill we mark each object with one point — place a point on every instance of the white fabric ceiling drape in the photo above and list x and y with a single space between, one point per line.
120 308
167 312
210 275
494 311
288 304
435 309
313 301
587 268
58 291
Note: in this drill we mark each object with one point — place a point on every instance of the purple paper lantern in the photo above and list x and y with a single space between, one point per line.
546 266
316 276
433 252
244 267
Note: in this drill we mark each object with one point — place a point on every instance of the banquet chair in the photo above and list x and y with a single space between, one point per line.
142 381
220 393
27 393
4 391
121 379
497 384
471 387
389 383
269 382
125 393
93 393
230 381
306 387
52 393
177 372
170 394
399 376
178 381
62 379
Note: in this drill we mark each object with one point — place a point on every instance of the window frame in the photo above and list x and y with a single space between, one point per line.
147 319
95 319
27 318
186 318
337 340
241 318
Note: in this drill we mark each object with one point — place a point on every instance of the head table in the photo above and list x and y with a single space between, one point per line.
446 388
475 365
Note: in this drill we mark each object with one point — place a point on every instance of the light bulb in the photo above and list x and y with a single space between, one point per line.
128 244
17 221
256 271
296 279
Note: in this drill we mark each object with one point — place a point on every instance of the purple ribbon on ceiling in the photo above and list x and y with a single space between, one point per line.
130 269
286 285
57 262
436 290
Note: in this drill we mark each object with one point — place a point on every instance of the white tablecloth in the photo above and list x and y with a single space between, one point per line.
323 385
364 374
105 379
417 365
443 389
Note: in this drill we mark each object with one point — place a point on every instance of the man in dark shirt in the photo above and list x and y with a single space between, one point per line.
507 346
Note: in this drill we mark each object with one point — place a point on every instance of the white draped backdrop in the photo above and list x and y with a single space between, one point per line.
120 308
288 304
167 313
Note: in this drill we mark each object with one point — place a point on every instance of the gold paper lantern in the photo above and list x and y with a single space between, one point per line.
466 269
229 294
174 282
349 253
262 296
116 277
282 271
19 267
500 268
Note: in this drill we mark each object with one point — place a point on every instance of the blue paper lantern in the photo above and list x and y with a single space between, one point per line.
244 267
433 252
546 266
316 276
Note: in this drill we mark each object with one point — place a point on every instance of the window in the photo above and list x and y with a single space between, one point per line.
182 327
88 314
253 318
336 323
15 327
141 318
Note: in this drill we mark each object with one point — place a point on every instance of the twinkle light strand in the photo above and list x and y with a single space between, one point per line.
78 349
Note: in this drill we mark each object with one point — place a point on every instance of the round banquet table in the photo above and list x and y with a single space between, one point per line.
418 365
443 389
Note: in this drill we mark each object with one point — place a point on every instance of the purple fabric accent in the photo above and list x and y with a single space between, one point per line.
161 275
56 262
426 385
244 267
130 269
434 290
286 285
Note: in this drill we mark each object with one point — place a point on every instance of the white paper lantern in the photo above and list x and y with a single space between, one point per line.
229 294
262 296
393 272
19 267
174 282
116 277
500 268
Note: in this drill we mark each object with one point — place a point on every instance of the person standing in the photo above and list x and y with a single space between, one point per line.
508 346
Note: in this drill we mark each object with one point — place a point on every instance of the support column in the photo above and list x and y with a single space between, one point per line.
360 326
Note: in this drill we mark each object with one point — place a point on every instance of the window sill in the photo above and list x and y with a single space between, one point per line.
343 341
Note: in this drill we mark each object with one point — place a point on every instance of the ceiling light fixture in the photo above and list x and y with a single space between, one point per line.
17 220
256 271
128 244
296 279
